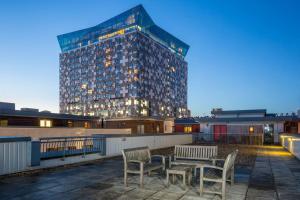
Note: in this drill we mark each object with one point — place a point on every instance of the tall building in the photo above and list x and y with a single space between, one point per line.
124 67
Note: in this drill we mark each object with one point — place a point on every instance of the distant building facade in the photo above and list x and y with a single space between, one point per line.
29 117
257 121
122 68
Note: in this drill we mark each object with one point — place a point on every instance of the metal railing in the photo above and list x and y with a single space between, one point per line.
210 138
55 147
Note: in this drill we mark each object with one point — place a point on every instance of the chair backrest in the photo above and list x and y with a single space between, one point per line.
139 153
196 152
229 163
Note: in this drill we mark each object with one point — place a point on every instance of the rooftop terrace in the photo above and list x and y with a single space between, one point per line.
273 174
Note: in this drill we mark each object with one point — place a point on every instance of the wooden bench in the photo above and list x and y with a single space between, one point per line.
211 173
139 161
194 154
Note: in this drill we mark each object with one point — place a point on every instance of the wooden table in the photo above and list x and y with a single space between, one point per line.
183 170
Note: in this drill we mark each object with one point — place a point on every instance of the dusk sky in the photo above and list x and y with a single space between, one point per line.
243 54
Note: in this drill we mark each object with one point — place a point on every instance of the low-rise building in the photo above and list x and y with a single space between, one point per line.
30 117
256 121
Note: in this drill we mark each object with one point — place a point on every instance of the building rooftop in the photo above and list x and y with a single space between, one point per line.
226 112
249 119
48 115
134 17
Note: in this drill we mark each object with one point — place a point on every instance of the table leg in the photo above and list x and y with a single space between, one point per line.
168 183
184 182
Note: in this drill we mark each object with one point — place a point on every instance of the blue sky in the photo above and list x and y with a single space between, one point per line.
243 55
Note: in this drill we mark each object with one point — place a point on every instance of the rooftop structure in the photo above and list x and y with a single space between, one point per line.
135 18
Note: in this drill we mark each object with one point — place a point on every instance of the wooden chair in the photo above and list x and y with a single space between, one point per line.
139 161
218 175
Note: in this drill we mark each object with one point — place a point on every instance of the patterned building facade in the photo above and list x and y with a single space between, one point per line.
127 72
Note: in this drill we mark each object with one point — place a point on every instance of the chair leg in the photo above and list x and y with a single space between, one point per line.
173 178
201 181
141 180
168 181
190 178
125 178
224 190
183 179
232 176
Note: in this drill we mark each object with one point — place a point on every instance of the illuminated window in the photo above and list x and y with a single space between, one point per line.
107 63
3 122
107 50
91 114
251 129
83 86
128 102
90 91
173 69
45 123
136 102
144 112
70 124
187 129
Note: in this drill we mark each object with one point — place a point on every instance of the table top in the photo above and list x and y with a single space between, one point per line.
181 167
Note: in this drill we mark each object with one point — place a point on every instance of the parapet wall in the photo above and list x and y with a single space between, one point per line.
36 133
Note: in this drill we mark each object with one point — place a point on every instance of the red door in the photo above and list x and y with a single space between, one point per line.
220 132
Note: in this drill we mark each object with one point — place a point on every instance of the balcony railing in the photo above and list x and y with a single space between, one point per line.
66 146
246 139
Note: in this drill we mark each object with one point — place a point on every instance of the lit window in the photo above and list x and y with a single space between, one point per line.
91 114
144 112
107 63
45 123
83 86
187 129
107 50
3 122
136 102
251 129
90 91
128 102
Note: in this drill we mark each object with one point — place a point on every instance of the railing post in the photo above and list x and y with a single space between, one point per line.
103 145
84 145
64 146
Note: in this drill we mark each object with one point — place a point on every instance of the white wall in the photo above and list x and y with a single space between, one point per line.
14 156
115 145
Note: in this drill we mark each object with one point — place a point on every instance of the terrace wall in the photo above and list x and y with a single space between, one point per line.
36 133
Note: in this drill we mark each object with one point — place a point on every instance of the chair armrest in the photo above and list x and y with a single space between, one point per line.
218 159
135 161
211 166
